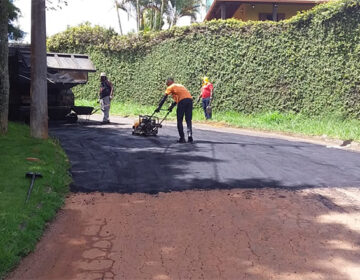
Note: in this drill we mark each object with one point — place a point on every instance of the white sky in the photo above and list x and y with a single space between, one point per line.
97 12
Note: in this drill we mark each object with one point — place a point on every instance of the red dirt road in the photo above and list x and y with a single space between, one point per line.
257 234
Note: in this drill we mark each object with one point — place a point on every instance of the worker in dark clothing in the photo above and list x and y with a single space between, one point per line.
106 93
184 101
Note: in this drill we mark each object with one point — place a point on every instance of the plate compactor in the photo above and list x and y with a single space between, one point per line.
146 126
149 125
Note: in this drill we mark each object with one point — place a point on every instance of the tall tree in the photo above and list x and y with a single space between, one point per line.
150 13
38 88
119 6
8 14
137 14
129 6
55 4
4 73
162 9
177 9
145 12
13 31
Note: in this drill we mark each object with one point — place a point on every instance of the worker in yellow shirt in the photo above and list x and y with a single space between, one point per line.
206 96
184 101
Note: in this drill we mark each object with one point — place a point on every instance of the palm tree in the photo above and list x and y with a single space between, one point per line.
139 6
161 12
152 14
121 5
149 14
181 8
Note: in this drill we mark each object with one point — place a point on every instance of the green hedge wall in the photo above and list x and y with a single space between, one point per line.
309 63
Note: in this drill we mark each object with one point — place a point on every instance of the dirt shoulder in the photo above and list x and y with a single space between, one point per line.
258 234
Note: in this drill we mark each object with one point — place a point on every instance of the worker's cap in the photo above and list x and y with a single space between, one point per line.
206 79
103 74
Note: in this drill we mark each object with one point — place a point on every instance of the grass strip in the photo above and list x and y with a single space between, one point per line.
331 126
22 224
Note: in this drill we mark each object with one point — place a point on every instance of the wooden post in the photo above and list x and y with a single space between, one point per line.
38 91
4 70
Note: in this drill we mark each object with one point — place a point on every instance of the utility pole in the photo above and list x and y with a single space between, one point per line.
38 91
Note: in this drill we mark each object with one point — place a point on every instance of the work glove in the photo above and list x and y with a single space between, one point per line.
172 106
162 101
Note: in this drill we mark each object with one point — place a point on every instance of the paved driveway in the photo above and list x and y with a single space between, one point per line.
109 158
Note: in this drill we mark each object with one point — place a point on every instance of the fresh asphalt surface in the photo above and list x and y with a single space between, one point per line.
109 158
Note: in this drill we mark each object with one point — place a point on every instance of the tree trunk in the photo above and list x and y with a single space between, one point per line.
138 15
153 19
142 20
161 14
4 70
118 16
38 91
175 16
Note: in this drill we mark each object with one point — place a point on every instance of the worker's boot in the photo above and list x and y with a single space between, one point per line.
190 139
181 140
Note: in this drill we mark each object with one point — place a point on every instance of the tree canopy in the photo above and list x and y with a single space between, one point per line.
151 14
14 32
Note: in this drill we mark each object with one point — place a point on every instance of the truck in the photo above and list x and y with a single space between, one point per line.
64 71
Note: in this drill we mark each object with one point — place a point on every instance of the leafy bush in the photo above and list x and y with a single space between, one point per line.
307 64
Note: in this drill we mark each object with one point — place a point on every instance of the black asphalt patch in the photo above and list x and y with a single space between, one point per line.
111 159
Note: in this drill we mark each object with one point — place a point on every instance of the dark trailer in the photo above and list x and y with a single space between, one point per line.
64 71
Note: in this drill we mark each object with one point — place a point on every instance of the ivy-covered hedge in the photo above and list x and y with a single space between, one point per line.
309 63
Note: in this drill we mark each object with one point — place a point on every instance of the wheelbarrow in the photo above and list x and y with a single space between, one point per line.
82 110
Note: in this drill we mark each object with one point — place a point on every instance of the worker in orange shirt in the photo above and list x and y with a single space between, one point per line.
184 101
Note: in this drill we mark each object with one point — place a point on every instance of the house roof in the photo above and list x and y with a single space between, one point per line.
234 4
